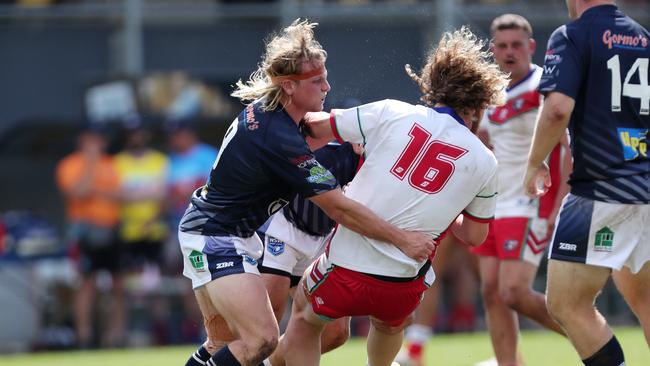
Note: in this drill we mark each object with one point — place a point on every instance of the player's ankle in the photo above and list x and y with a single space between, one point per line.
199 357
610 354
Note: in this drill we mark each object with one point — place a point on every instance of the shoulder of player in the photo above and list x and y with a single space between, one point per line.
395 106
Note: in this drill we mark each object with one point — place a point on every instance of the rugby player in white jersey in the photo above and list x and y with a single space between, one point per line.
509 258
424 171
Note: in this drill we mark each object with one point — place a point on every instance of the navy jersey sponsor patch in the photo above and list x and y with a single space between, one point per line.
275 246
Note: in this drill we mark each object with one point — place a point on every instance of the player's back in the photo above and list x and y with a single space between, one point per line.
423 167
601 61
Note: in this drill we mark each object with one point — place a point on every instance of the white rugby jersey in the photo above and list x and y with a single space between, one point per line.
423 167
511 129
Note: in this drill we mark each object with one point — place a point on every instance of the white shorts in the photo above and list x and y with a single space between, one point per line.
602 234
289 249
206 258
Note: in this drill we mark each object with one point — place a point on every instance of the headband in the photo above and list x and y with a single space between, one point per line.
297 77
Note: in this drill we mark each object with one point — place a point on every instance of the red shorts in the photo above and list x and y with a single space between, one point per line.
519 238
336 292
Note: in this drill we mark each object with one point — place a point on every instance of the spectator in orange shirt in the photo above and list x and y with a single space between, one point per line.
89 182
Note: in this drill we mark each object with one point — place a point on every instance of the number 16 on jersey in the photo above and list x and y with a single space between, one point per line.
428 165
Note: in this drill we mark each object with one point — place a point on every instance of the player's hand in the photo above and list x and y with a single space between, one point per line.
417 245
537 180
358 149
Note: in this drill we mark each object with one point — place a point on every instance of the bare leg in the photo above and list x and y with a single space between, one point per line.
118 320
501 319
242 300
301 341
635 289
83 303
571 291
278 288
334 335
383 342
515 288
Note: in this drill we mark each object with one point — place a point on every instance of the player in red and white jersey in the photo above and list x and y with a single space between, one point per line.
509 258
423 168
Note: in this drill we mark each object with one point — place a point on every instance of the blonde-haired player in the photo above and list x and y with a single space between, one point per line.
264 161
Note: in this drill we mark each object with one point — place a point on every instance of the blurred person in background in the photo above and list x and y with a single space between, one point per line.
143 173
520 232
188 159
595 83
89 182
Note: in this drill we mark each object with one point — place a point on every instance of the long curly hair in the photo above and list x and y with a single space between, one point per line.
461 74
285 54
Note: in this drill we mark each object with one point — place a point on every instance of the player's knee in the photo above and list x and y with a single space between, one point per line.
262 344
557 308
490 292
513 294
338 335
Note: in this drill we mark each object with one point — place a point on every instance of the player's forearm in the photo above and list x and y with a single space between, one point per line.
551 126
362 220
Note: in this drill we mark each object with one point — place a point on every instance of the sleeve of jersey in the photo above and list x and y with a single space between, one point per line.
296 165
482 207
563 70
356 124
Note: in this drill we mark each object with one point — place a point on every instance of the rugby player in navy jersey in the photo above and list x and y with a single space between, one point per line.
596 83
294 237
264 161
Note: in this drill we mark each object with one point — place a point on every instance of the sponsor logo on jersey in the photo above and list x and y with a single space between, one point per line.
552 58
276 205
310 161
626 41
251 123
318 174
568 246
197 260
634 142
223 265
604 240
275 246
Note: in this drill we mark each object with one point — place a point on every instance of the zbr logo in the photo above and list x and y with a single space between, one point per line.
634 142
197 260
275 246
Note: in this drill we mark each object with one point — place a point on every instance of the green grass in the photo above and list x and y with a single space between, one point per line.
540 348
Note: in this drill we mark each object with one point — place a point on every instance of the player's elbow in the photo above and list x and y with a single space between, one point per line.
473 233
476 239
558 107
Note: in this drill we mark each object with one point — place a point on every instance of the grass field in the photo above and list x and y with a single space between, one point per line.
540 348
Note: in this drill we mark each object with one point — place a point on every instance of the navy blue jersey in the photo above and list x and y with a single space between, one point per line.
263 163
601 61
342 161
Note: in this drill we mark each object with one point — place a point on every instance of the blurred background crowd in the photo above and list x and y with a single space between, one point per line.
113 111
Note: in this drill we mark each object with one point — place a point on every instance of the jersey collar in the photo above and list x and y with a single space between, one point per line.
530 73
450 111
